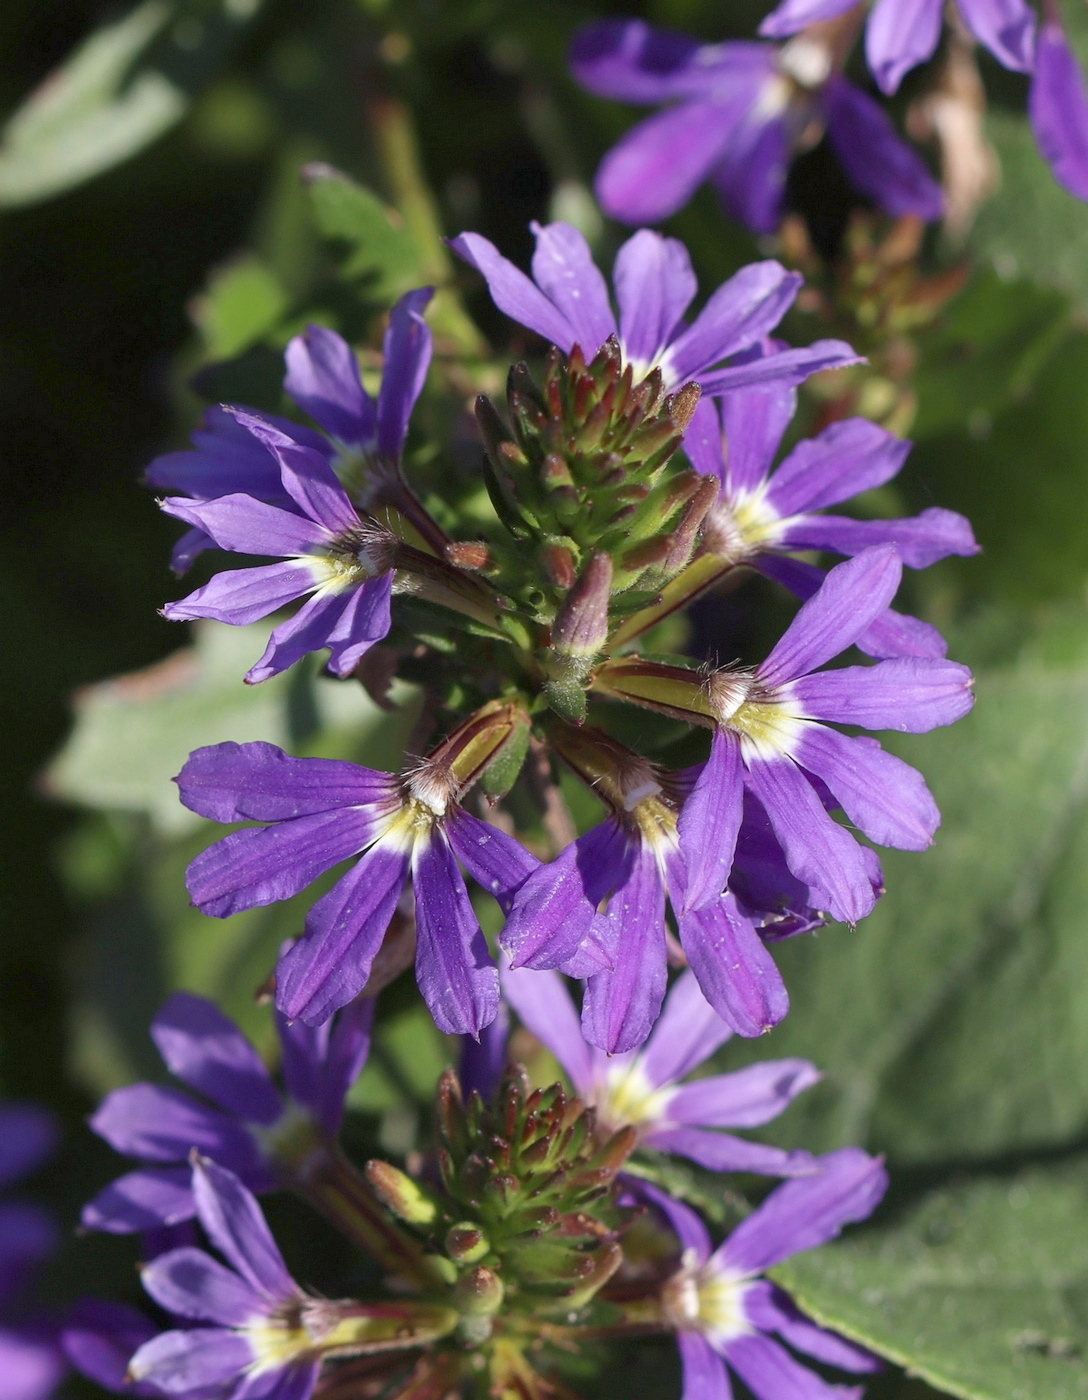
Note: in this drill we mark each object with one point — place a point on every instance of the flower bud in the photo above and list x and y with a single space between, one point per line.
479 1293
466 1243
397 1191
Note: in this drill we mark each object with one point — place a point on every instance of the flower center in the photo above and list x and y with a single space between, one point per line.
626 1098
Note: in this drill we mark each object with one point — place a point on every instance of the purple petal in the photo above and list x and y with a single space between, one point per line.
407 354
161 1124
703 1370
564 270
736 974
311 628
900 35
739 314
307 476
179 1362
323 378
348 1048
29 1132
910 695
874 157
807 1212
233 1222
766 890
787 367
192 544
771 1310
654 285
745 1098
295 1383
208 1051
330 963
28 1234
1006 27
499 863
455 971
847 457
920 539
544 1007
818 851
658 165
621 1005
684 1222
687 1032
247 526
722 1152
771 1373
30 1366
365 620
753 422
751 177
709 821
852 595
98 1338
191 1284
1058 108
141 1200
259 782
885 797
513 292
637 62
594 954
241 596
793 15
264 864
483 1059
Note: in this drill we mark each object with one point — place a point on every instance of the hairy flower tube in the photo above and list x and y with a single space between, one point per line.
642 1089
567 302
737 113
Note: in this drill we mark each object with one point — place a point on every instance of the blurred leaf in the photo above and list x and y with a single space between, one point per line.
377 247
952 1023
123 87
133 733
242 302
981 1287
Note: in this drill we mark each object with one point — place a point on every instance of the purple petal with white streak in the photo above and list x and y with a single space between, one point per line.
874 157
406 350
242 596
233 1222
455 971
709 822
323 378
885 797
722 1152
181 1362
687 1032
259 782
330 963
246 526
735 972
158 1123
206 1050
771 1310
142 1200
852 595
654 285
564 270
1058 108
703 1370
191 1284
900 35
621 1005
544 1007
807 1212
513 292
920 539
847 457
745 1098
740 313
264 864
793 15
910 695
771 1373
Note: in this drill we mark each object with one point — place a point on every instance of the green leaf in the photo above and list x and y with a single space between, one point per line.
133 733
952 1023
980 1287
377 246
121 89
241 304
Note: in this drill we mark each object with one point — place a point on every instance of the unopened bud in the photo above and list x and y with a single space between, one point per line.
478 1293
670 690
403 1196
590 1272
466 1243
581 624
469 554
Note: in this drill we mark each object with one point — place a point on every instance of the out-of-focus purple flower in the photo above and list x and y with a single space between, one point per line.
30 1361
765 513
323 811
642 1089
241 1119
99 1338
770 740
598 911
900 34
362 440
261 1334
567 303
726 1315
1058 106
739 112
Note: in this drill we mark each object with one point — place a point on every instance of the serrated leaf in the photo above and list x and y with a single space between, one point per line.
121 89
377 246
980 1287
241 303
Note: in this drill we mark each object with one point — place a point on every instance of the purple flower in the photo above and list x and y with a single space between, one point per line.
262 1335
100 1336
267 1138
725 1314
903 33
770 741
1058 107
598 912
643 1089
323 811
738 113
567 303
763 514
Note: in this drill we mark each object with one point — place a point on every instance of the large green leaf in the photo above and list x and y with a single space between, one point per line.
952 1023
980 1286
121 89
